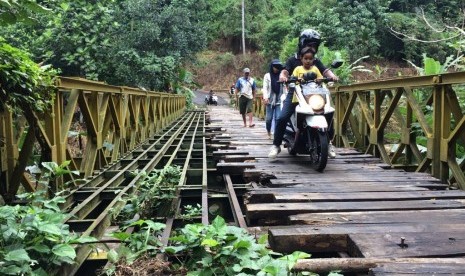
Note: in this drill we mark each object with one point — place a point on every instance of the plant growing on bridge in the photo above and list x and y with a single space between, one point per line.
191 211
154 194
219 249
143 242
215 249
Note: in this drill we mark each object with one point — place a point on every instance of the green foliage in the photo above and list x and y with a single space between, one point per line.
24 82
153 39
219 249
154 194
345 72
432 66
289 49
12 11
79 36
191 212
348 25
404 48
183 84
143 241
33 238
273 36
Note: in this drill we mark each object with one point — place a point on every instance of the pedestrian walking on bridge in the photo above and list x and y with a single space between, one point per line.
246 88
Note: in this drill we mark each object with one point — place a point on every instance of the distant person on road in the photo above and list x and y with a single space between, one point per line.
232 89
272 92
246 88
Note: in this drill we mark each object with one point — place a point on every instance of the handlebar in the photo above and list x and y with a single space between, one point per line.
294 79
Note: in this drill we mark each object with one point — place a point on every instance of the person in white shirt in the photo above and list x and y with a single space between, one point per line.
246 88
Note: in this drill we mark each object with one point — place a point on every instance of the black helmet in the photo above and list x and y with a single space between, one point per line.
309 36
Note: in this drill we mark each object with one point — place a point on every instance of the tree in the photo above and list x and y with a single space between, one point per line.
273 37
12 11
423 33
348 24
153 38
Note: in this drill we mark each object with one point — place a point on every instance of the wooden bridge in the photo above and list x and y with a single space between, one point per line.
383 206
399 222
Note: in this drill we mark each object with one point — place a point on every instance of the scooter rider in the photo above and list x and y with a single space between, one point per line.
308 38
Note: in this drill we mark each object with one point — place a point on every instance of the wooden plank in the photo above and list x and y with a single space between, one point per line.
235 206
280 210
363 265
408 269
342 189
420 244
233 168
259 196
349 186
378 217
220 153
368 196
299 173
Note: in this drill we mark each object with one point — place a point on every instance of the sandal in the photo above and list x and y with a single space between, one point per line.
252 125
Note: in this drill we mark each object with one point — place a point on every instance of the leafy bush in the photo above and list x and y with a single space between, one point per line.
33 238
432 66
219 249
144 241
24 82
13 11
154 195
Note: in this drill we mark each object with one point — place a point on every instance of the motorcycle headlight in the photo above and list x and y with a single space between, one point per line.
317 103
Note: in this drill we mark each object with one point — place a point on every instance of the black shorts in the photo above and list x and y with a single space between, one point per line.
245 105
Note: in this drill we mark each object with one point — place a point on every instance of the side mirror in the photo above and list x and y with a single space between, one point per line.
309 76
337 63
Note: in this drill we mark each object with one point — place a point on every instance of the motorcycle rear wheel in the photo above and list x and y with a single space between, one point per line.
319 148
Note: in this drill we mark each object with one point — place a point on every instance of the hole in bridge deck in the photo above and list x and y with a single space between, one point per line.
98 209
91 267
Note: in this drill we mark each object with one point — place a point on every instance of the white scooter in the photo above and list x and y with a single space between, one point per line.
211 99
307 133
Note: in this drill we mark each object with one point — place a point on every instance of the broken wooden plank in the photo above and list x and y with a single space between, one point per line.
337 238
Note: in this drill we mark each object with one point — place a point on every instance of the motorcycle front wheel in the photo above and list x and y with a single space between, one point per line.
318 141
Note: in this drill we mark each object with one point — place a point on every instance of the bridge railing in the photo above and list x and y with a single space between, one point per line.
415 123
91 124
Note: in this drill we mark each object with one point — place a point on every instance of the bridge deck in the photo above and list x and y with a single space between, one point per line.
357 208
